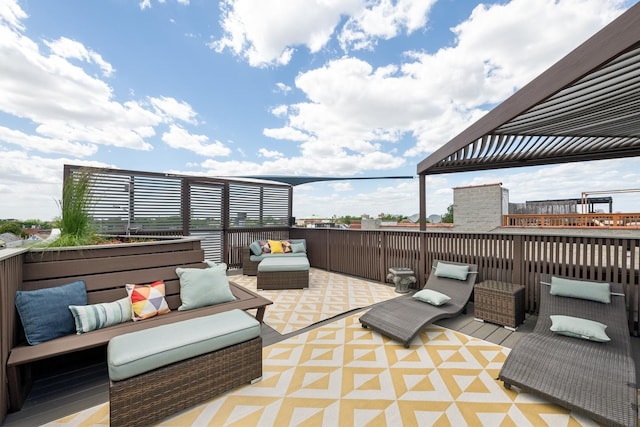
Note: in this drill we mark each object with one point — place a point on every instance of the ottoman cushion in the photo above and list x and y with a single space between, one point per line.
284 264
142 351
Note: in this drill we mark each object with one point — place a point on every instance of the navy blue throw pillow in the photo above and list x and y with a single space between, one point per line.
45 313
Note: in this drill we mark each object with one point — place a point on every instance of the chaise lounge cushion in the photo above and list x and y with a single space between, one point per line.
452 271
594 291
432 297
142 351
578 327
45 313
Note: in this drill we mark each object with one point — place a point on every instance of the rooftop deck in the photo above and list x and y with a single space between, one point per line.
80 382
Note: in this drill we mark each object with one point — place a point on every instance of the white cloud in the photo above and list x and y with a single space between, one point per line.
173 109
567 181
281 87
66 48
146 4
384 19
270 154
353 106
179 138
11 14
342 186
61 107
31 186
266 32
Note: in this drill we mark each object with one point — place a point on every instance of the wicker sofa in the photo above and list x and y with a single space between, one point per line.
103 288
253 254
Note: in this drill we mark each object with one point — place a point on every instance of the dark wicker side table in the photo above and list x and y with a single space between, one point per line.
499 302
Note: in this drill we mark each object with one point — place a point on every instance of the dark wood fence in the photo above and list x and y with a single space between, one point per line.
11 262
506 257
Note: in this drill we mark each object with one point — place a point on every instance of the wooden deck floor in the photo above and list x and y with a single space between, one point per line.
63 391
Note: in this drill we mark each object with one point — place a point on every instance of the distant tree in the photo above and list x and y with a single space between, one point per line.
392 217
347 219
448 217
12 227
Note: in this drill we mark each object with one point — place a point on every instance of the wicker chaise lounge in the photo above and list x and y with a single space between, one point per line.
402 318
594 378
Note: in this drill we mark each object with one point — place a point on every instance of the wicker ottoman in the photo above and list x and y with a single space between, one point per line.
283 273
160 371
499 302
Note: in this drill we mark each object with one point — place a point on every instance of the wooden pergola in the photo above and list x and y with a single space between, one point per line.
585 107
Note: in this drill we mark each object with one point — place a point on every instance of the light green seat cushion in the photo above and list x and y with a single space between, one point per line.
142 351
287 255
284 264
579 328
594 291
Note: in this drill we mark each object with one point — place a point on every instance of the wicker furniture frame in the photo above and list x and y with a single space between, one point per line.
158 394
499 302
249 267
597 379
268 280
402 318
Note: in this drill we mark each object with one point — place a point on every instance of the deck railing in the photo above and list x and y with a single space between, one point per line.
603 220
518 258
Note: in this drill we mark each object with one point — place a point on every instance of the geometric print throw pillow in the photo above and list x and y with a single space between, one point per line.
147 300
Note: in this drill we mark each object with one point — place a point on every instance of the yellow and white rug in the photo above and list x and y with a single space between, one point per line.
328 295
343 375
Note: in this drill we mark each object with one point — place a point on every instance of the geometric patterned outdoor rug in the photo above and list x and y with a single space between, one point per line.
328 295
343 375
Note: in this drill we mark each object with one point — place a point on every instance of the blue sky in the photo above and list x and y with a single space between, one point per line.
347 88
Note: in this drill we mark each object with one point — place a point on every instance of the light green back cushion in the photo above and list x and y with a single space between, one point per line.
452 271
200 287
594 291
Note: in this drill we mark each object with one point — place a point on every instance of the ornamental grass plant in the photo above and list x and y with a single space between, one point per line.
76 228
